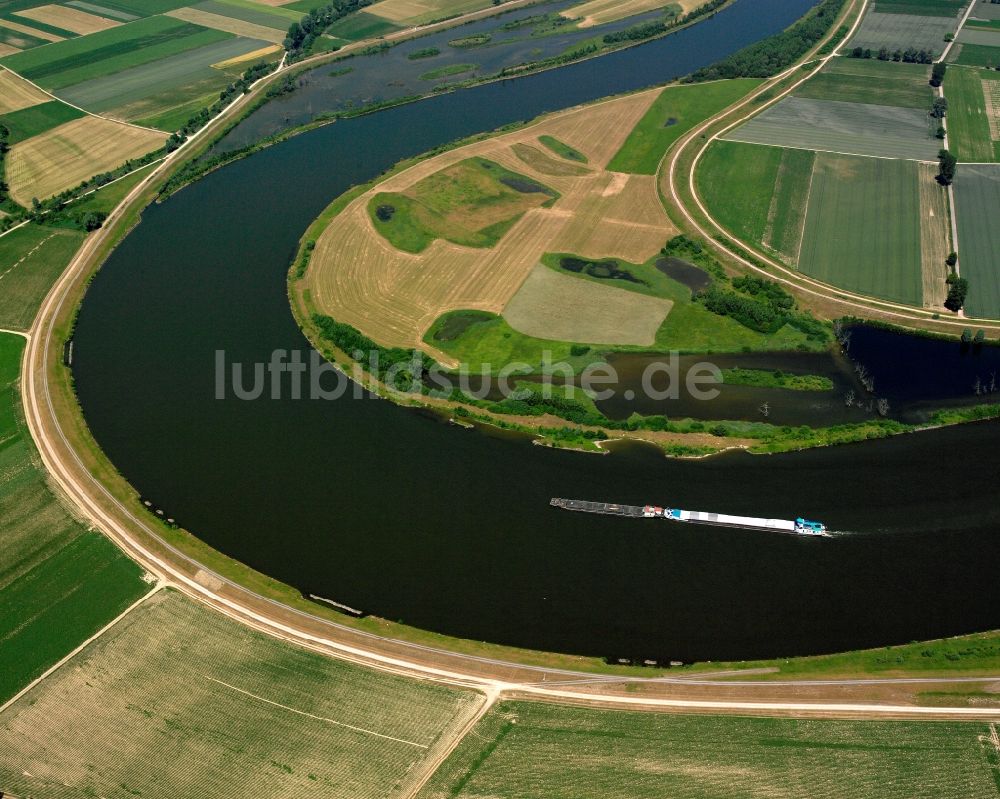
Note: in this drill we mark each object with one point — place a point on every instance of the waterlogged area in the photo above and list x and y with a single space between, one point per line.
391 511
391 74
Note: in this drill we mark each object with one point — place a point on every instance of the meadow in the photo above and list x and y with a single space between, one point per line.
27 122
935 8
975 55
850 128
898 31
862 227
556 305
523 749
32 257
177 700
473 203
59 583
361 25
675 111
968 123
977 196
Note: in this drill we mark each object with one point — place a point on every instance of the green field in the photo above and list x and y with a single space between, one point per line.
862 227
144 7
868 80
562 149
977 55
31 121
360 25
448 71
177 700
977 203
473 203
31 258
968 125
944 8
522 750
675 111
65 63
58 582
906 27
257 13
758 193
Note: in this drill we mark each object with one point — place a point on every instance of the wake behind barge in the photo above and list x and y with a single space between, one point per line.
798 527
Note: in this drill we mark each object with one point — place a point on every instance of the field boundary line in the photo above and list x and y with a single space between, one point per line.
317 718
961 24
831 152
84 110
26 256
805 217
59 663
21 333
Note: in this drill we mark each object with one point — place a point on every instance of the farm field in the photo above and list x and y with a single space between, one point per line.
977 203
897 31
972 55
943 8
868 80
69 19
32 257
523 749
849 128
58 582
73 61
237 27
405 13
676 111
979 36
17 93
935 238
599 12
64 156
862 227
356 276
150 89
178 700
36 119
759 193
558 306
970 132
361 25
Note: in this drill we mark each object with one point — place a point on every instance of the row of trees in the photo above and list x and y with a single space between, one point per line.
908 56
303 33
648 30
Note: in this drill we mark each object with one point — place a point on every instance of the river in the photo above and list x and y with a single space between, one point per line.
391 511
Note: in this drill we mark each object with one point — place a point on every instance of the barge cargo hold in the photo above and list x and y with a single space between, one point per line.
799 526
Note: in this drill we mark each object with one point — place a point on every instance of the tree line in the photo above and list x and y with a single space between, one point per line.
908 56
302 34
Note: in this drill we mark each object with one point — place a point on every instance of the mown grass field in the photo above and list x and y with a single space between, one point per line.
32 257
420 12
977 199
544 162
869 80
361 25
237 27
59 583
177 700
522 750
975 55
758 193
70 19
63 157
16 93
675 111
554 304
472 203
862 227
902 28
968 124
75 60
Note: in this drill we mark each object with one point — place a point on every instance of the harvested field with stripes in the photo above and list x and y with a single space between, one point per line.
64 156
599 12
523 749
17 93
358 277
558 306
849 128
977 207
177 700
935 236
970 123
237 27
421 12
863 227
69 19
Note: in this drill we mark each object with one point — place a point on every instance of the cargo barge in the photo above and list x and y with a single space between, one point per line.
799 526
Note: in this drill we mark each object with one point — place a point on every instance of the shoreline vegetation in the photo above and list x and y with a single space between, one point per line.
971 654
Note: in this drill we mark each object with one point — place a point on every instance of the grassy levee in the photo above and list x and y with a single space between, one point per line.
59 582
177 700
675 112
521 749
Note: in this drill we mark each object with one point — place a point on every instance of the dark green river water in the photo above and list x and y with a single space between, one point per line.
385 509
